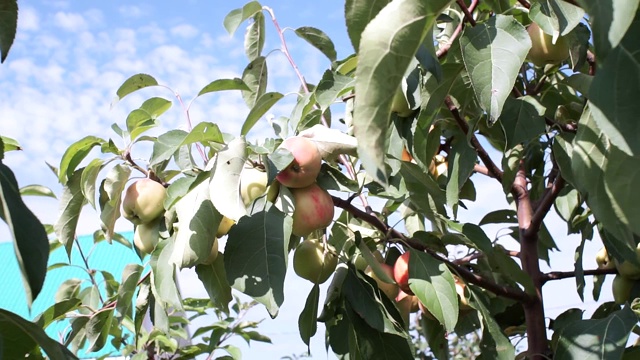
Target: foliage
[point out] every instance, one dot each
(565, 135)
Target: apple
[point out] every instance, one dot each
(603, 260)
(224, 227)
(401, 273)
(313, 209)
(146, 236)
(361, 263)
(305, 167)
(412, 299)
(460, 287)
(144, 201)
(543, 51)
(627, 268)
(405, 155)
(253, 184)
(310, 261)
(438, 166)
(213, 254)
(621, 288)
(400, 105)
(390, 290)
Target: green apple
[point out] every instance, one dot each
(312, 263)
(224, 227)
(361, 263)
(390, 290)
(543, 51)
(438, 166)
(621, 288)
(603, 260)
(253, 184)
(213, 254)
(146, 236)
(144, 201)
(305, 167)
(627, 268)
(313, 209)
(400, 105)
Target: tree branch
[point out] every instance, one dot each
(559, 275)
(493, 169)
(444, 49)
(394, 235)
(467, 14)
(545, 205)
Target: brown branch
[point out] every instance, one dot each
(482, 170)
(394, 235)
(444, 49)
(570, 127)
(545, 205)
(525, 3)
(467, 14)
(493, 169)
(559, 275)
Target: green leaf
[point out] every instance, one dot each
(68, 290)
(128, 286)
(170, 142)
(255, 76)
(358, 14)
(89, 178)
(31, 244)
(111, 191)
(238, 16)
(163, 284)
(610, 21)
(224, 186)
(22, 336)
(386, 49)
(56, 312)
(319, 40)
(332, 86)
(135, 83)
(433, 284)
(522, 120)
(37, 190)
(224, 84)
(556, 16)
(419, 183)
(198, 222)
(8, 26)
(493, 53)
(144, 118)
(307, 322)
(505, 216)
(606, 337)
(74, 154)
(254, 37)
(461, 160)
(214, 279)
(262, 105)
(494, 344)
(9, 144)
(614, 105)
(257, 267)
(98, 329)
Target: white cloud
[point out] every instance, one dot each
(131, 11)
(184, 31)
(28, 19)
(70, 21)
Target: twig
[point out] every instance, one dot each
(397, 237)
(467, 14)
(525, 3)
(90, 271)
(482, 170)
(444, 49)
(559, 275)
(570, 127)
(493, 169)
(545, 205)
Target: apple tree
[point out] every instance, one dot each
(537, 96)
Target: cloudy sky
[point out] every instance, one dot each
(70, 57)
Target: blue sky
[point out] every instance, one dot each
(70, 57)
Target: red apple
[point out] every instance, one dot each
(305, 167)
(313, 209)
(390, 290)
(401, 273)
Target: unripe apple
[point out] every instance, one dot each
(213, 254)
(144, 201)
(310, 261)
(224, 227)
(313, 209)
(621, 288)
(361, 263)
(627, 268)
(253, 184)
(543, 51)
(305, 167)
(603, 260)
(390, 290)
(400, 105)
(146, 236)
(438, 166)
(401, 272)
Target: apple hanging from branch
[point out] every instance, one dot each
(305, 167)
(312, 262)
(543, 51)
(144, 201)
(313, 209)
